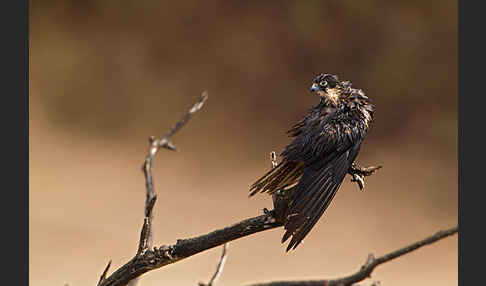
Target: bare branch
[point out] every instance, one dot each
(147, 259)
(146, 236)
(165, 255)
(370, 264)
(103, 275)
(219, 267)
(279, 200)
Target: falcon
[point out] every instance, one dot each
(324, 147)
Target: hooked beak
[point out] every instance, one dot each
(314, 87)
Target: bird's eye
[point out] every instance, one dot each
(323, 83)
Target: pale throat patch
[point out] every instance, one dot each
(332, 95)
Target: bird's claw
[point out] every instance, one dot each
(359, 180)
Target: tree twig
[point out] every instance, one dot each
(146, 235)
(368, 267)
(219, 267)
(280, 200)
(103, 275)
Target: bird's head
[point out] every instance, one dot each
(328, 88)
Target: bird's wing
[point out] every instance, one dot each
(291, 168)
(327, 151)
(314, 193)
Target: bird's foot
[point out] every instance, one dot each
(359, 180)
(281, 200)
(363, 171)
(358, 173)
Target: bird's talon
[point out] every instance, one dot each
(359, 180)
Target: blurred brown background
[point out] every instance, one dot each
(107, 74)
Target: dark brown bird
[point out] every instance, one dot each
(325, 145)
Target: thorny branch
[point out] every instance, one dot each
(370, 264)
